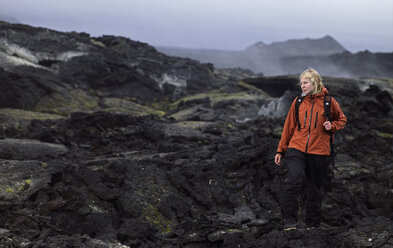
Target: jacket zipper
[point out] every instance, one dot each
(305, 119)
(316, 119)
(309, 127)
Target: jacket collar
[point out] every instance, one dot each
(322, 93)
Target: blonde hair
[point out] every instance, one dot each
(315, 79)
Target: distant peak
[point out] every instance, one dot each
(327, 37)
(322, 46)
(259, 44)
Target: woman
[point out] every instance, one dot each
(305, 141)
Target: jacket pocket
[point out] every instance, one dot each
(305, 119)
(316, 120)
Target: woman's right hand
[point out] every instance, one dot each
(277, 159)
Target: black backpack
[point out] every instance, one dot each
(327, 100)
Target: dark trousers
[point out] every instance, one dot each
(309, 170)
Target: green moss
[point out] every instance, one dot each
(79, 100)
(216, 97)
(384, 135)
(182, 114)
(149, 195)
(95, 42)
(193, 124)
(250, 87)
(130, 107)
(163, 105)
(132, 99)
(18, 187)
(27, 115)
(26, 184)
(10, 190)
(65, 104)
(349, 137)
(154, 217)
(19, 119)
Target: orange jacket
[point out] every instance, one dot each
(312, 137)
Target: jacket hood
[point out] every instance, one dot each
(323, 92)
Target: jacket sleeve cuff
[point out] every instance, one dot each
(334, 129)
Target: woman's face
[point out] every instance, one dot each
(306, 85)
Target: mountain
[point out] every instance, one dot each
(303, 47)
(293, 56)
(259, 57)
(105, 142)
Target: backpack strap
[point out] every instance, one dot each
(299, 100)
(327, 100)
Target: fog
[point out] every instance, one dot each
(216, 24)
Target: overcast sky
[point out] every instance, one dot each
(218, 24)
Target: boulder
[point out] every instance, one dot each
(26, 149)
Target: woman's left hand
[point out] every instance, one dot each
(327, 125)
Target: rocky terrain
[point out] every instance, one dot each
(106, 142)
(325, 54)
